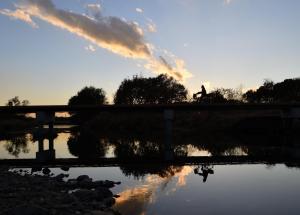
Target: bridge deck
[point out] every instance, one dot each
(150, 108)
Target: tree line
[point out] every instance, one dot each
(163, 89)
(166, 90)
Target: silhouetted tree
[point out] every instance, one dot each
(158, 90)
(87, 96)
(286, 91)
(15, 101)
(212, 97)
(221, 95)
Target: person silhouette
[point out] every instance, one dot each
(205, 172)
(203, 94)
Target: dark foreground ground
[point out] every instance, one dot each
(25, 193)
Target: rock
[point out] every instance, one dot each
(61, 176)
(109, 202)
(108, 184)
(84, 178)
(65, 168)
(46, 171)
(71, 183)
(85, 195)
(27, 210)
(36, 169)
(103, 192)
(88, 184)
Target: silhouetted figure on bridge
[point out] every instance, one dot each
(205, 171)
(203, 94)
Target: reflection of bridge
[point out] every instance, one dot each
(195, 160)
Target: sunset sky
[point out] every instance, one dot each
(50, 49)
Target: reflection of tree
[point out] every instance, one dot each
(137, 148)
(17, 144)
(139, 171)
(86, 145)
(217, 145)
(145, 149)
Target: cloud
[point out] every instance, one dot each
(90, 48)
(161, 66)
(151, 27)
(227, 2)
(112, 33)
(94, 10)
(139, 10)
(19, 14)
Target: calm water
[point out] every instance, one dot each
(226, 189)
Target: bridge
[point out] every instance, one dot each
(45, 114)
(288, 107)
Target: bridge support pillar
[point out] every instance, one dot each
(288, 117)
(168, 118)
(47, 118)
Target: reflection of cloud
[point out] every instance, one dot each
(182, 176)
(135, 200)
(112, 33)
(19, 14)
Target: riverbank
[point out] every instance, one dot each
(25, 193)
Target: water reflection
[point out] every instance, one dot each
(17, 144)
(136, 200)
(85, 144)
(146, 187)
(205, 171)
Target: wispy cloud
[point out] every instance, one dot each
(115, 34)
(161, 65)
(94, 10)
(19, 14)
(139, 10)
(151, 26)
(90, 48)
(227, 2)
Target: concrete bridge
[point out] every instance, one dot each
(45, 114)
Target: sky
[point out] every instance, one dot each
(50, 49)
